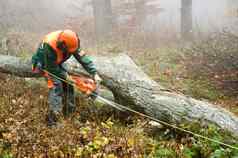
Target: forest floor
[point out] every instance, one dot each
(95, 131)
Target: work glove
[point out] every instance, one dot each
(37, 67)
(69, 78)
(93, 95)
(97, 79)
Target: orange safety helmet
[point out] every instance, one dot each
(69, 40)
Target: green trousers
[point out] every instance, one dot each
(61, 98)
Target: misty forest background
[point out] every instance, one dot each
(189, 46)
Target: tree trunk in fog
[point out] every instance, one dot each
(232, 8)
(102, 11)
(232, 3)
(186, 20)
(132, 87)
(140, 11)
(3, 13)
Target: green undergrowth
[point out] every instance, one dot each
(175, 143)
(5, 150)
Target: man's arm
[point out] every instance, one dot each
(85, 61)
(87, 64)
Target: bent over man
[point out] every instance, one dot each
(53, 51)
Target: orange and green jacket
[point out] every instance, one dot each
(51, 60)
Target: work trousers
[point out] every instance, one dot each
(61, 97)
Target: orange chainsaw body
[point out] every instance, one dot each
(84, 84)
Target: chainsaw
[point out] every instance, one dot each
(84, 84)
(88, 86)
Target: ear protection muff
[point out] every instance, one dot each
(78, 41)
(61, 44)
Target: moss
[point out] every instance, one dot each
(5, 150)
(164, 153)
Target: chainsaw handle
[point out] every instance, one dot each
(84, 84)
(94, 95)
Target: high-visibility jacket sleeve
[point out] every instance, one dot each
(86, 61)
(46, 56)
(38, 56)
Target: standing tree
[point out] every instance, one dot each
(102, 11)
(232, 8)
(140, 11)
(186, 20)
(4, 9)
(144, 8)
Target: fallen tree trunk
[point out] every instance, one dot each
(132, 87)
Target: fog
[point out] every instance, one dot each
(30, 15)
(208, 15)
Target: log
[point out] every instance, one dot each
(16, 66)
(132, 87)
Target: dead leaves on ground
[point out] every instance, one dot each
(22, 115)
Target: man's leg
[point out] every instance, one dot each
(55, 101)
(69, 99)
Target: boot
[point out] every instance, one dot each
(72, 109)
(51, 119)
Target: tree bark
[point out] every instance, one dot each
(102, 11)
(132, 87)
(140, 11)
(186, 20)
